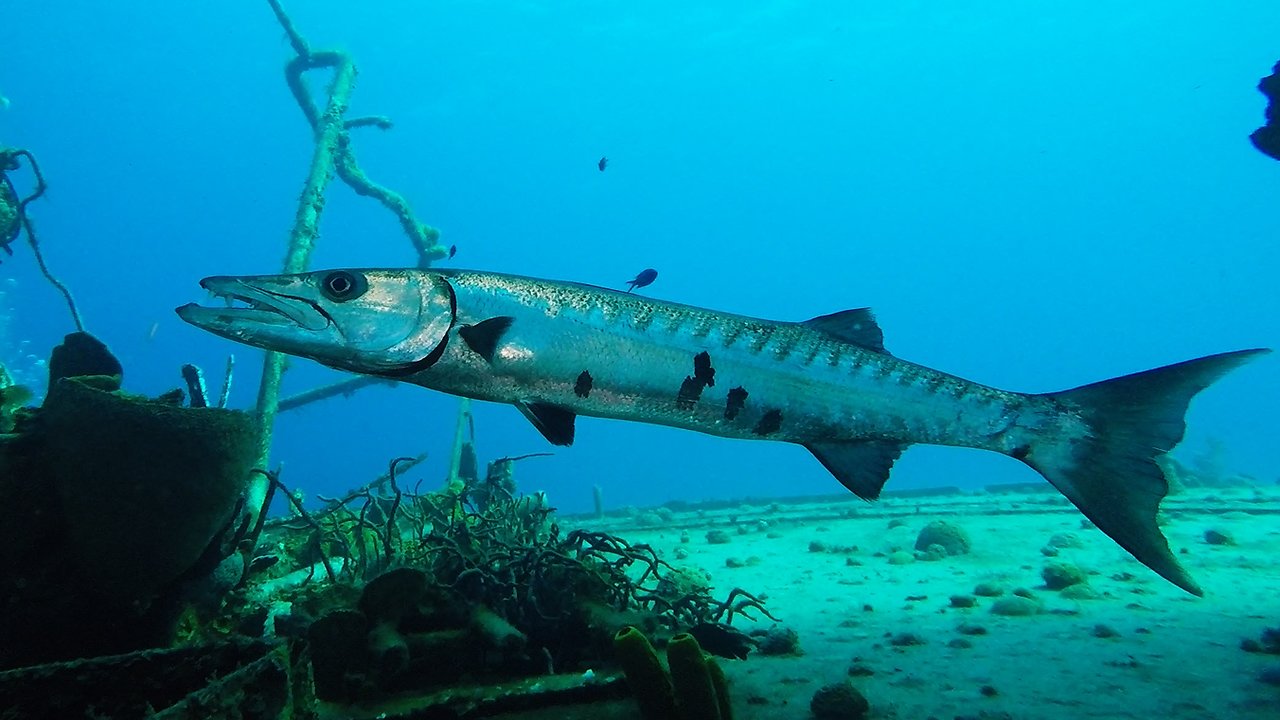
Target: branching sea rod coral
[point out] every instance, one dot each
(14, 219)
(333, 155)
(512, 558)
(504, 555)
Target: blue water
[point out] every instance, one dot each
(1031, 195)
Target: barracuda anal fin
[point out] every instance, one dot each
(554, 422)
(861, 465)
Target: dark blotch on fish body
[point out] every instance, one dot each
(645, 278)
(704, 376)
(737, 400)
(702, 370)
(690, 391)
(769, 423)
(604, 163)
(582, 387)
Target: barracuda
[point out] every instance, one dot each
(557, 350)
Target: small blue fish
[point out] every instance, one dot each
(646, 277)
(604, 163)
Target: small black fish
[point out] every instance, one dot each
(453, 250)
(646, 276)
(723, 640)
(262, 562)
(604, 163)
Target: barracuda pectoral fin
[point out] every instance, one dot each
(483, 337)
(861, 465)
(856, 326)
(554, 422)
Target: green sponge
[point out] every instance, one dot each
(143, 485)
(721, 685)
(648, 680)
(696, 697)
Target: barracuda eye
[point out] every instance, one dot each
(341, 286)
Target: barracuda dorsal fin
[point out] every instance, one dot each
(554, 422)
(860, 465)
(483, 337)
(857, 326)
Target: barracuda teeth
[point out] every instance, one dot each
(232, 301)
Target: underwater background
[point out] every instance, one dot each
(1032, 196)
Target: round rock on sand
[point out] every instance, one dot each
(1015, 606)
(839, 701)
(949, 536)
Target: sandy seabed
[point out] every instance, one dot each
(1141, 648)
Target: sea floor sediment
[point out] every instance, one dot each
(845, 577)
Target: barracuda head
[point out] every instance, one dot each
(382, 322)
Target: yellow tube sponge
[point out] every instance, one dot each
(721, 685)
(648, 680)
(696, 697)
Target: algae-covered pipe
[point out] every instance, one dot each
(461, 434)
(342, 388)
(329, 130)
(332, 155)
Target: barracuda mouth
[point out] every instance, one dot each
(249, 307)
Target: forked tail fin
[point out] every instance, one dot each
(1111, 473)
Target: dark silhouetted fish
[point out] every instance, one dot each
(604, 163)
(453, 250)
(1267, 137)
(644, 279)
(723, 640)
